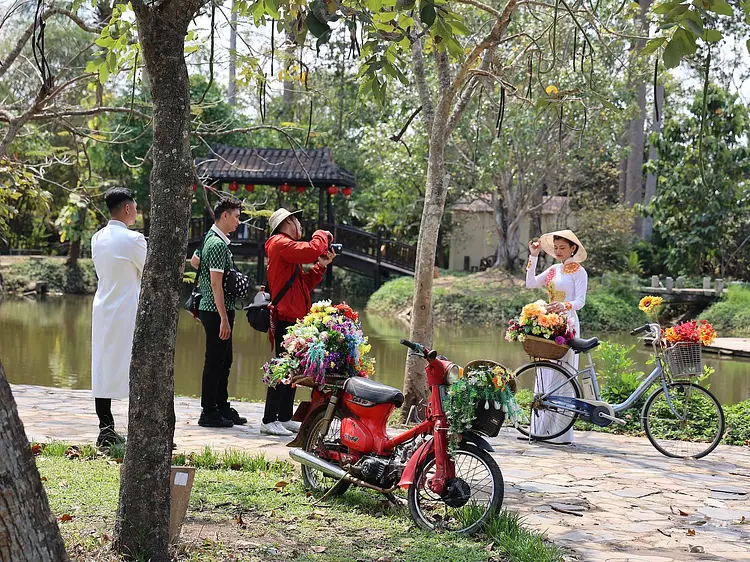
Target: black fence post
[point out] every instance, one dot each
(379, 257)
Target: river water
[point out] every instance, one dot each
(48, 343)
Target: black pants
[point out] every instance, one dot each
(104, 412)
(279, 400)
(218, 362)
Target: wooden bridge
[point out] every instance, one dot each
(673, 291)
(373, 255)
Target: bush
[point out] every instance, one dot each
(731, 315)
(59, 277)
(608, 310)
(618, 378)
(607, 233)
(738, 423)
(392, 296)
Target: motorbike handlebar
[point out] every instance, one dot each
(411, 345)
(640, 330)
(420, 349)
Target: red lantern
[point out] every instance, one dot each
(332, 190)
(234, 186)
(347, 191)
(285, 188)
(300, 189)
(249, 187)
(195, 187)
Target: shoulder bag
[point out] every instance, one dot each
(194, 300)
(259, 313)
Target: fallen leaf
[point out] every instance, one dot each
(489, 547)
(66, 517)
(73, 452)
(280, 485)
(43, 479)
(63, 484)
(319, 549)
(691, 532)
(678, 511)
(240, 522)
(36, 449)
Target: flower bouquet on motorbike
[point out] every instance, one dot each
(324, 346)
(542, 333)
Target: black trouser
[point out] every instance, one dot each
(279, 400)
(104, 412)
(214, 391)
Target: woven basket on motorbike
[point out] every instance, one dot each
(489, 420)
(543, 348)
(684, 359)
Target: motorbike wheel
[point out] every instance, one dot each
(469, 499)
(317, 444)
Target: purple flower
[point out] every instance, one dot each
(559, 340)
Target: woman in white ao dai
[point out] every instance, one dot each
(566, 283)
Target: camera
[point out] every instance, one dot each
(336, 248)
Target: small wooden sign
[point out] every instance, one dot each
(180, 485)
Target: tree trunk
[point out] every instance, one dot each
(28, 530)
(416, 388)
(647, 226)
(142, 526)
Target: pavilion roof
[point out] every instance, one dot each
(274, 166)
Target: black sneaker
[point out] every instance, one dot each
(108, 437)
(214, 419)
(231, 414)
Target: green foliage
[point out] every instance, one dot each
(609, 310)
(701, 227)
(18, 187)
(76, 222)
(58, 276)
(608, 233)
(731, 315)
(618, 378)
(516, 543)
(392, 296)
(738, 423)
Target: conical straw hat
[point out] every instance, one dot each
(548, 244)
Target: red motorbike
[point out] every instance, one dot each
(343, 441)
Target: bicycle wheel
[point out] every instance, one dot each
(691, 428)
(543, 420)
(469, 499)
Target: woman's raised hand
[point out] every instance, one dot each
(534, 248)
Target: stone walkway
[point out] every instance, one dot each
(607, 498)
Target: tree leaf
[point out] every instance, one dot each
(315, 26)
(676, 11)
(673, 53)
(712, 35)
(692, 27)
(664, 8)
(720, 7)
(427, 14)
(747, 44)
(652, 45)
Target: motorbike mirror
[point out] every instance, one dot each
(432, 355)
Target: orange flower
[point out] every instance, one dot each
(548, 320)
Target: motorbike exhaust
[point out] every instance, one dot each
(330, 469)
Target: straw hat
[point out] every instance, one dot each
(547, 241)
(279, 216)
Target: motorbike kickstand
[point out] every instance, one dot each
(392, 498)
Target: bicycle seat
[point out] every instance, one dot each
(379, 393)
(579, 344)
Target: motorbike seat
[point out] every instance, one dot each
(379, 393)
(579, 344)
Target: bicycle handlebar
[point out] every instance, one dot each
(640, 330)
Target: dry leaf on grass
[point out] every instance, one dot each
(240, 522)
(691, 532)
(280, 485)
(63, 484)
(319, 549)
(66, 517)
(43, 478)
(36, 449)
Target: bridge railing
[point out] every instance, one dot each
(375, 246)
(245, 233)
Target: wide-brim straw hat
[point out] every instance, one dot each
(279, 216)
(547, 241)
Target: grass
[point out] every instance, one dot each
(731, 315)
(245, 507)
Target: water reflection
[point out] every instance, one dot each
(49, 343)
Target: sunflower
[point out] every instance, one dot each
(650, 304)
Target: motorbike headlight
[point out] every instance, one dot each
(453, 373)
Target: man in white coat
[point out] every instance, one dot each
(119, 255)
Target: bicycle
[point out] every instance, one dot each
(681, 418)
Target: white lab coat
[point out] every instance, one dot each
(119, 255)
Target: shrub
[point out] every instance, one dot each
(738, 423)
(606, 311)
(58, 276)
(607, 233)
(731, 315)
(392, 295)
(618, 378)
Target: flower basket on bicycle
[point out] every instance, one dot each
(543, 348)
(684, 359)
(543, 334)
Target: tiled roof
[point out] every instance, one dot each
(274, 166)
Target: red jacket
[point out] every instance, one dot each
(284, 255)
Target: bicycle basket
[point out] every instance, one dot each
(684, 359)
(489, 420)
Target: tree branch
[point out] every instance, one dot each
(421, 79)
(13, 55)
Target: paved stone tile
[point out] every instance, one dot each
(634, 495)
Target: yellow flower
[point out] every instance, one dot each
(551, 90)
(650, 304)
(68, 221)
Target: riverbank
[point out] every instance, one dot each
(491, 298)
(605, 494)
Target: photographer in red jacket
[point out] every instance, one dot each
(286, 254)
